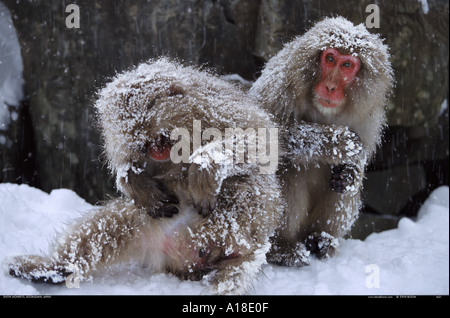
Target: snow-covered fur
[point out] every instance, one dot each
(286, 89)
(242, 206)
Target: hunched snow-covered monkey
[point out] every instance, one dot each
(164, 218)
(336, 74)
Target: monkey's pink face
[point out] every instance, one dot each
(338, 71)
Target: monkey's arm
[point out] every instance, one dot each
(315, 143)
(335, 145)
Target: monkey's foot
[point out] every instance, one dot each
(37, 269)
(206, 206)
(342, 178)
(322, 244)
(288, 255)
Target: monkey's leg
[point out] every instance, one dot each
(225, 265)
(299, 185)
(329, 221)
(38, 269)
(286, 249)
(226, 269)
(235, 276)
(95, 241)
(235, 238)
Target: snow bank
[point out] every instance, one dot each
(412, 259)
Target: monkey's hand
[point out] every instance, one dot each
(207, 171)
(205, 176)
(38, 269)
(344, 178)
(322, 244)
(166, 205)
(151, 194)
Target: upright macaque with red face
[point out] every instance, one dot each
(337, 77)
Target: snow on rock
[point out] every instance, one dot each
(425, 7)
(11, 67)
(412, 259)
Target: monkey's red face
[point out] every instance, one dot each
(159, 149)
(338, 71)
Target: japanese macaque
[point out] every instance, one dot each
(339, 75)
(150, 116)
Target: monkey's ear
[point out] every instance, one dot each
(175, 90)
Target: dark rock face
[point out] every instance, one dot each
(54, 141)
(64, 67)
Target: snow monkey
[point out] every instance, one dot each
(336, 74)
(150, 116)
(197, 216)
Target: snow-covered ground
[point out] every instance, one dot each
(412, 259)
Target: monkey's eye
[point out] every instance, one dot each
(330, 58)
(347, 64)
(159, 149)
